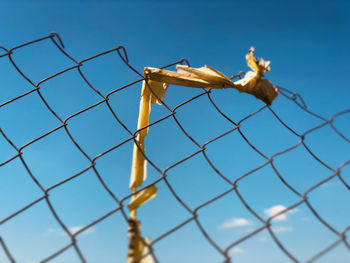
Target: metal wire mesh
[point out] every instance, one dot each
(201, 149)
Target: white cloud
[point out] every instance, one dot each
(276, 209)
(280, 229)
(72, 230)
(236, 222)
(330, 183)
(237, 250)
(53, 231)
(263, 239)
(88, 231)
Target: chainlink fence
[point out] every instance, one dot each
(120, 203)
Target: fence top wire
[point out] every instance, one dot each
(236, 127)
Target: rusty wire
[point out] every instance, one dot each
(201, 149)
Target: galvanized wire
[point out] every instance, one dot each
(201, 149)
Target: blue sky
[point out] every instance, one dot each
(308, 45)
